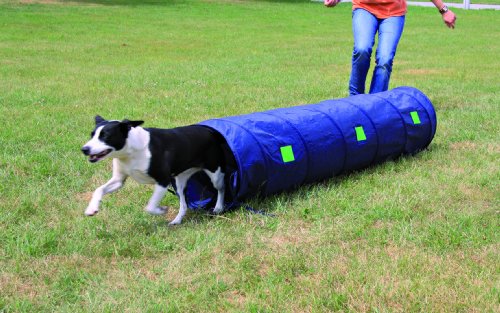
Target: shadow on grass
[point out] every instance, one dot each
(252, 204)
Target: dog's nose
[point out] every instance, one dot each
(86, 150)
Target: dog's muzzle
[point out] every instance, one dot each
(86, 150)
(95, 157)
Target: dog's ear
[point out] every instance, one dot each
(136, 123)
(132, 123)
(127, 125)
(99, 119)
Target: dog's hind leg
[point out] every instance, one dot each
(217, 179)
(180, 183)
(153, 205)
(115, 183)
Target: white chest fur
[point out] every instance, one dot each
(135, 162)
(136, 167)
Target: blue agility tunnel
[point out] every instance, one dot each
(280, 149)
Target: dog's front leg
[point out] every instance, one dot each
(153, 205)
(180, 183)
(115, 183)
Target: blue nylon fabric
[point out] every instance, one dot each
(323, 140)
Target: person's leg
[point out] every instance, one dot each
(364, 28)
(389, 33)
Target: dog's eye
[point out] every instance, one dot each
(92, 134)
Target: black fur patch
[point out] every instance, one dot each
(175, 150)
(114, 134)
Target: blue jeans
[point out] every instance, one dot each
(364, 27)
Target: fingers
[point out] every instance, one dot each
(449, 19)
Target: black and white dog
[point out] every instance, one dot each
(155, 156)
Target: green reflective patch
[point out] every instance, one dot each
(415, 117)
(287, 154)
(360, 133)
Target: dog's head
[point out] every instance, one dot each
(107, 138)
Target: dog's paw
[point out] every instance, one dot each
(175, 222)
(91, 212)
(218, 210)
(157, 211)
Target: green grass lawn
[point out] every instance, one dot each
(417, 234)
(497, 2)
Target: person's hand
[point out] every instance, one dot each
(331, 3)
(449, 18)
